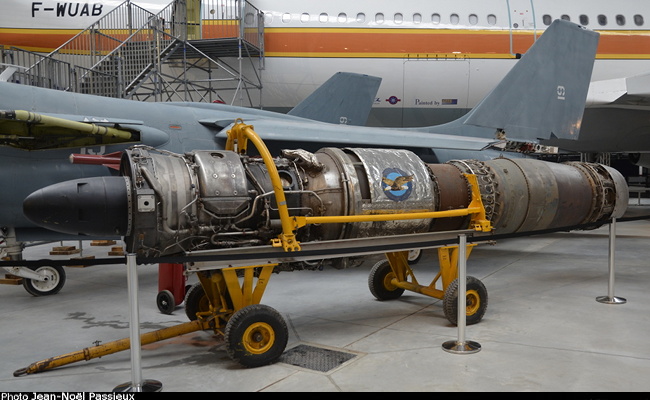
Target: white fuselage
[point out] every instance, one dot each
(437, 59)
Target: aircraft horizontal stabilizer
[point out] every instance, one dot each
(544, 94)
(633, 91)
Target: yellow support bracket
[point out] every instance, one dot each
(404, 278)
(249, 292)
(238, 137)
(479, 222)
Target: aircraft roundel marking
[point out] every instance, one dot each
(396, 184)
(393, 99)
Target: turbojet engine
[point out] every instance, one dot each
(166, 204)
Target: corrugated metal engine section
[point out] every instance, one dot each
(315, 358)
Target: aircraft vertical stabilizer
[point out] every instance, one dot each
(544, 94)
(345, 98)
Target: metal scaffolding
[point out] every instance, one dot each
(192, 50)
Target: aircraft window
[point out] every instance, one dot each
(268, 18)
(620, 20)
(492, 19)
(379, 18)
(417, 18)
(322, 17)
(473, 19)
(304, 17)
(565, 17)
(398, 18)
(249, 18)
(343, 18)
(361, 18)
(286, 17)
(454, 19)
(602, 19)
(638, 20)
(435, 18)
(547, 19)
(584, 20)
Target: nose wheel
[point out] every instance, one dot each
(53, 279)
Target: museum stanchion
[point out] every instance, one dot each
(462, 346)
(610, 298)
(137, 384)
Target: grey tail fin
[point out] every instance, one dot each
(544, 94)
(345, 98)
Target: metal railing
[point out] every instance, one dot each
(117, 54)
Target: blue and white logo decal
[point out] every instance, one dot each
(397, 185)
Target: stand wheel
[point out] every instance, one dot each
(380, 284)
(414, 256)
(196, 301)
(53, 283)
(165, 302)
(476, 301)
(256, 335)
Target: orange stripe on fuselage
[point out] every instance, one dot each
(393, 43)
(36, 40)
(369, 42)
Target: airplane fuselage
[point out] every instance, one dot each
(437, 59)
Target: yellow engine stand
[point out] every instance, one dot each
(404, 276)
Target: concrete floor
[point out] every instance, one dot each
(543, 330)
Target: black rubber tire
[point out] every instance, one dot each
(54, 284)
(166, 302)
(379, 282)
(414, 256)
(256, 335)
(476, 301)
(196, 301)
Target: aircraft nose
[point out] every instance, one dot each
(95, 206)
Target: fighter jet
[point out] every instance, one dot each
(49, 136)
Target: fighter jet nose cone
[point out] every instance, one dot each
(95, 206)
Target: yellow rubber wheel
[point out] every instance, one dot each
(476, 301)
(380, 282)
(256, 335)
(258, 338)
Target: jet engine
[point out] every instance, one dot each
(165, 203)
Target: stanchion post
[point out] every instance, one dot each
(610, 298)
(462, 346)
(137, 384)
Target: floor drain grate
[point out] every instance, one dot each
(315, 358)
